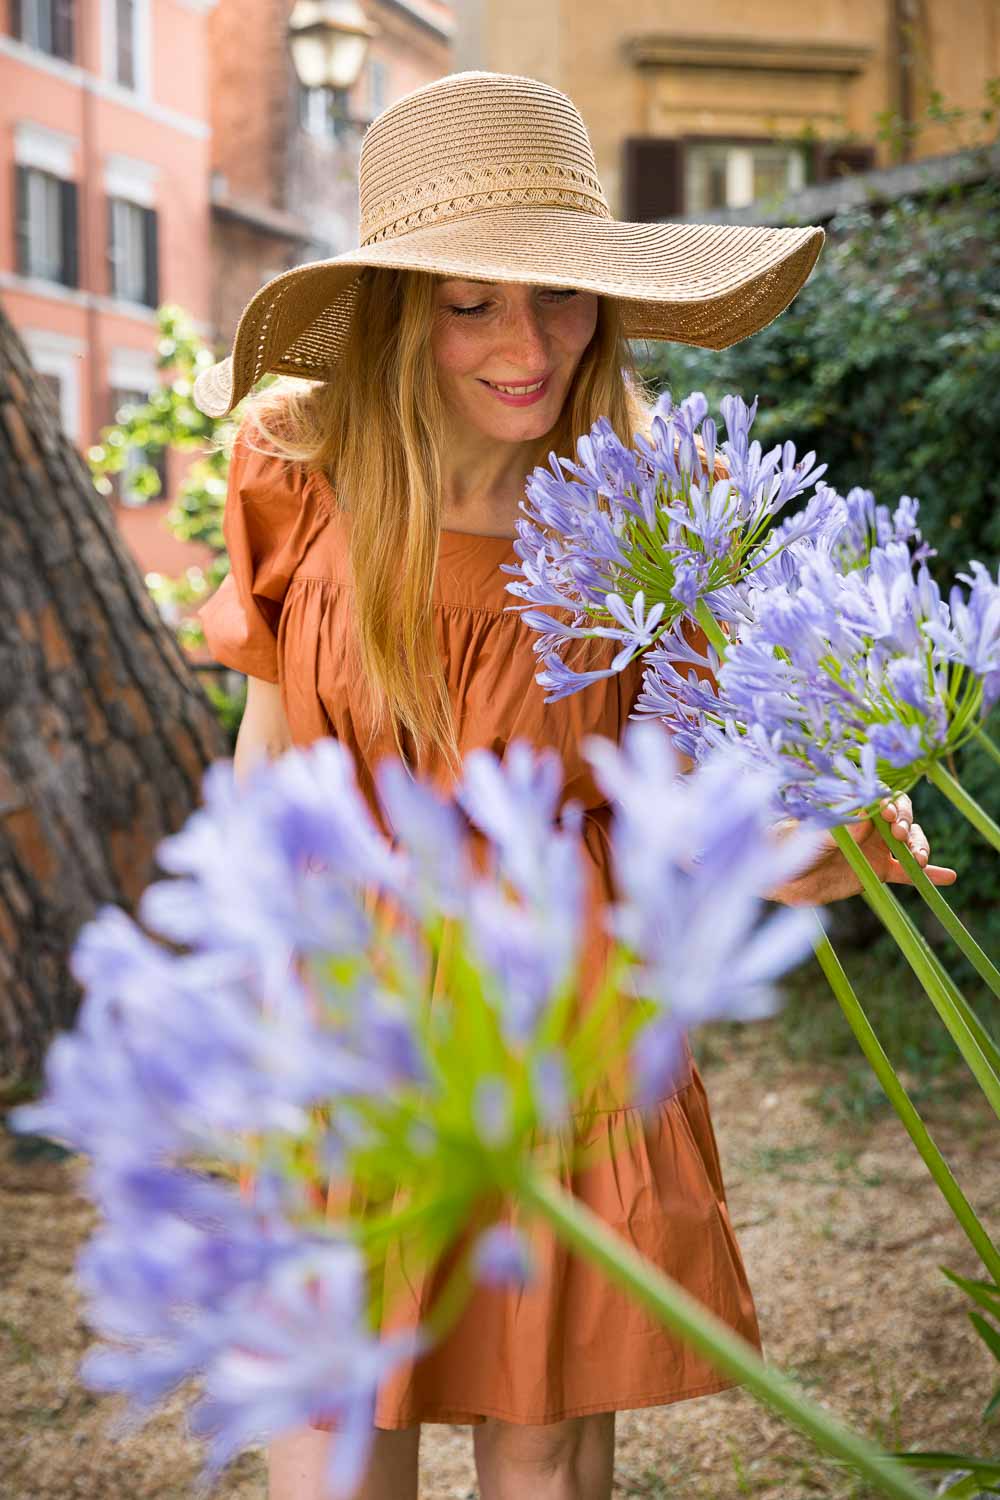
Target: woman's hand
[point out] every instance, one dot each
(830, 877)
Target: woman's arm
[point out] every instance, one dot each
(263, 732)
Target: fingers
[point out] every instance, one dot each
(936, 874)
(899, 812)
(919, 845)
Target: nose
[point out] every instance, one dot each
(526, 342)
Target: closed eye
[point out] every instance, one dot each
(557, 294)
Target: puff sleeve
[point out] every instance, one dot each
(273, 511)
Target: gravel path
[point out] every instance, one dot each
(842, 1231)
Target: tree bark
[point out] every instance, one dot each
(104, 729)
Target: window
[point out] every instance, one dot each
(46, 228)
(133, 237)
(378, 92)
(53, 384)
(122, 483)
(57, 359)
(723, 174)
(126, 22)
(47, 25)
(666, 178)
(323, 112)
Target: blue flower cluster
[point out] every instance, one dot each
(844, 670)
(849, 684)
(628, 539)
(287, 1026)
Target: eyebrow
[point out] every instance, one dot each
(472, 280)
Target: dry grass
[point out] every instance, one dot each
(842, 1230)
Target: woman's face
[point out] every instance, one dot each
(506, 355)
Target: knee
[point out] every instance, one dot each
(551, 1449)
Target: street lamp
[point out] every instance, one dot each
(329, 39)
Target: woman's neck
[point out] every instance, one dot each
(482, 483)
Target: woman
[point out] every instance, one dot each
(482, 324)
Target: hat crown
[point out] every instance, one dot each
(470, 142)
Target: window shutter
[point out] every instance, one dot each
(831, 161)
(158, 460)
(654, 183)
(70, 236)
(21, 239)
(62, 28)
(110, 254)
(151, 237)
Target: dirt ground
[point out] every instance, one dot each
(842, 1230)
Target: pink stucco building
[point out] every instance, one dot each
(158, 151)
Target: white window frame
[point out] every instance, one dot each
(739, 169)
(142, 46)
(131, 370)
(61, 355)
(49, 150)
(378, 86)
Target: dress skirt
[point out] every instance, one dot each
(571, 1342)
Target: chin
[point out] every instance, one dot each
(524, 426)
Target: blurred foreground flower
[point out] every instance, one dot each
(420, 1043)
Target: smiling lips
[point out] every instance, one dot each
(518, 395)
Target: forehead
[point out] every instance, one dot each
(453, 281)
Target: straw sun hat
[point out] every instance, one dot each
(492, 176)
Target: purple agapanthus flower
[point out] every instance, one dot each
(839, 681)
(971, 637)
(625, 541)
(694, 857)
(288, 1028)
(502, 1258)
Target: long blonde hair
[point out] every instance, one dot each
(376, 430)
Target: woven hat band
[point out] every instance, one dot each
(434, 156)
(493, 187)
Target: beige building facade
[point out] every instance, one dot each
(692, 108)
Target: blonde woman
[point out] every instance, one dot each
(483, 323)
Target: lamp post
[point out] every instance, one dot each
(329, 40)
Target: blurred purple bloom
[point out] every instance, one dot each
(502, 1258)
(551, 1089)
(437, 869)
(492, 1111)
(679, 843)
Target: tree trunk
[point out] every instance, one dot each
(104, 729)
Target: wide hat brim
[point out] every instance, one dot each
(708, 285)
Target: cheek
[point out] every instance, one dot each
(456, 348)
(577, 323)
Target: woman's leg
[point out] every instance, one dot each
(296, 1463)
(571, 1460)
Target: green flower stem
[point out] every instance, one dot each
(580, 1228)
(987, 743)
(887, 908)
(711, 627)
(986, 1042)
(963, 939)
(903, 1105)
(967, 806)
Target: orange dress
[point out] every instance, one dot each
(571, 1343)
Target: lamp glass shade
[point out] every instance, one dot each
(328, 39)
